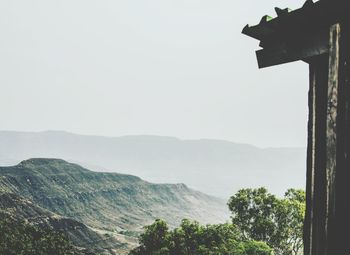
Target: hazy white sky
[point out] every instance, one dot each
(163, 67)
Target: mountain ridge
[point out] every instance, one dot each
(102, 213)
(215, 167)
(102, 200)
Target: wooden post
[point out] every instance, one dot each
(328, 164)
(319, 34)
(331, 134)
(338, 142)
(316, 166)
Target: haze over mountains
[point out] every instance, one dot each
(213, 166)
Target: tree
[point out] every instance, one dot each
(155, 239)
(262, 216)
(290, 219)
(191, 238)
(262, 225)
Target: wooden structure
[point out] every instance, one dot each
(319, 34)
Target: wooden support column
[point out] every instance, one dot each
(338, 142)
(328, 164)
(331, 135)
(316, 164)
(319, 34)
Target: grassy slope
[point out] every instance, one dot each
(106, 200)
(19, 209)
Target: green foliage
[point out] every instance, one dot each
(260, 221)
(262, 216)
(155, 236)
(20, 238)
(193, 239)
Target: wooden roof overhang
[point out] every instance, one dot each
(297, 35)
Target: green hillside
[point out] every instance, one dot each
(17, 237)
(95, 205)
(23, 214)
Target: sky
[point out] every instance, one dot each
(159, 67)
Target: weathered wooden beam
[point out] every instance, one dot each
(338, 141)
(293, 49)
(342, 188)
(310, 173)
(314, 227)
(331, 133)
(328, 164)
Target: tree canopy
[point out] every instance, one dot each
(190, 238)
(262, 224)
(262, 216)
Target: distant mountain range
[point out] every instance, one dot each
(101, 212)
(215, 167)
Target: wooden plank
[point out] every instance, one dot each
(319, 200)
(309, 47)
(339, 167)
(310, 173)
(343, 143)
(328, 175)
(331, 133)
(314, 231)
